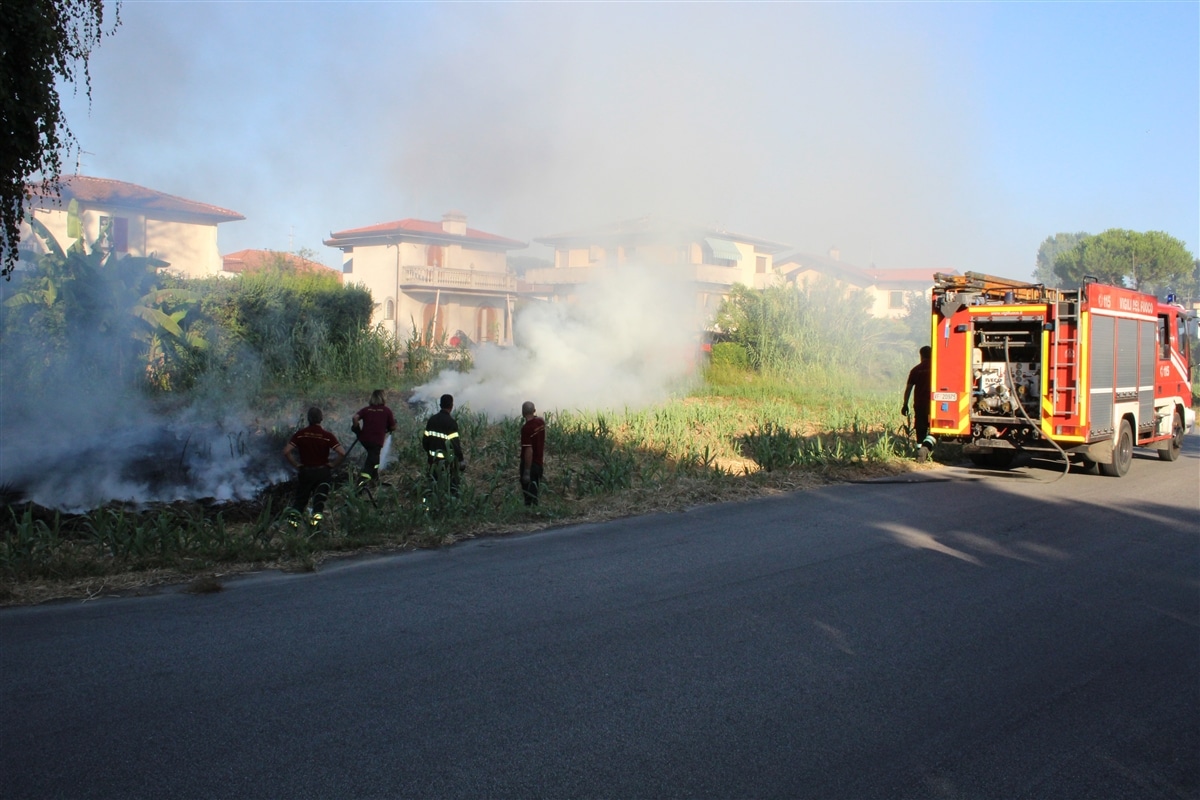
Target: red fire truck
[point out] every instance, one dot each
(1086, 374)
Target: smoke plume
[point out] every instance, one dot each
(630, 337)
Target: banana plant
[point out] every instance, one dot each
(86, 292)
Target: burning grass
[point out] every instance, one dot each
(716, 446)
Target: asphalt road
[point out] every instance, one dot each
(980, 635)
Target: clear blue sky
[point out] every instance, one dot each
(940, 135)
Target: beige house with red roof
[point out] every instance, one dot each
(441, 278)
(891, 291)
(248, 261)
(131, 219)
(715, 258)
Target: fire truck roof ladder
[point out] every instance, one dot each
(995, 288)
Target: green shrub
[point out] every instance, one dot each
(730, 355)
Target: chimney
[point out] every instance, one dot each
(835, 254)
(455, 222)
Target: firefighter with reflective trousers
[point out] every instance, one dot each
(442, 446)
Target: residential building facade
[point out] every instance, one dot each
(715, 258)
(441, 280)
(892, 291)
(129, 219)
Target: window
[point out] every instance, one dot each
(760, 265)
(389, 309)
(433, 328)
(433, 256)
(1164, 337)
(114, 233)
(895, 299)
(487, 326)
(724, 252)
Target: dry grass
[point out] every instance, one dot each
(678, 496)
(688, 453)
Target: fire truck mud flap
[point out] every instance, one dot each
(986, 446)
(1096, 452)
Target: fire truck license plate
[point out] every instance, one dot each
(945, 396)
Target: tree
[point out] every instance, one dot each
(95, 310)
(824, 326)
(41, 43)
(1048, 254)
(1151, 261)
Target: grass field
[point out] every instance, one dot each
(736, 437)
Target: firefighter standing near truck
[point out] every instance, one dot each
(443, 448)
(919, 385)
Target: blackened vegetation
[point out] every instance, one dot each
(167, 519)
(141, 466)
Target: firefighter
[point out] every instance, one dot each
(308, 452)
(533, 445)
(442, 446)
(372, 425)
(919, 385)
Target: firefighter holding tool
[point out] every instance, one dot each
(372, 425)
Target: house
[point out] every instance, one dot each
(248, 261)
(715, 258)
(892, 291)
(443, 279)
(130, 219)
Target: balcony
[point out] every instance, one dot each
(701, 273)
(457, 279)
(563, 275)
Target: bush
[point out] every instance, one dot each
(789, 330)
(730, 355)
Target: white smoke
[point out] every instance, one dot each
(632, 335)
(82, 437)
(138, 459)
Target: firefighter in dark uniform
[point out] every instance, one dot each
(442, 446)
(308, 453)
(372, 425)
(919, 385)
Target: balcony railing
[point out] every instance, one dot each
(560, 275)
(701, 273)
(444, 278)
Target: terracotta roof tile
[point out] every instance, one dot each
(420, 228)
(857, 275)
(657, 229)
(255, 260)
(905, 275)
(107, 191)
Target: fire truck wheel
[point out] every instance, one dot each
(1171, 451)
(996, 459)
(1002, 459)
(1122, 453)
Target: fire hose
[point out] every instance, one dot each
(1008, 379)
